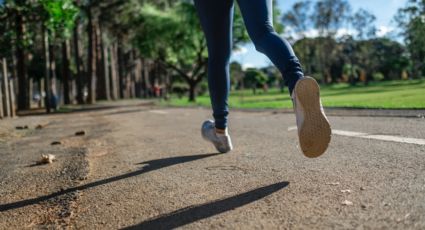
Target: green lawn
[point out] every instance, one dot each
(392, 94)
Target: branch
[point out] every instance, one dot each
(200, 61)
(199, 66)
(200, 76)
(169, 65)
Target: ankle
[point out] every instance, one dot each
(221, 132)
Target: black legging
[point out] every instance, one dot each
(216, 19)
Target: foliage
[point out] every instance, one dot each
(60, 16)
(255, 78)
(329, 15)
(363, 23)
(412, 21)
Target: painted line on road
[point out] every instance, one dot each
(406, 140)
(158, 111)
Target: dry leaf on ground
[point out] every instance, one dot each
(47, 159)
(347, 203)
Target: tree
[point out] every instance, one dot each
(23, 97)
(59, 18)
(363, 22)
(237, 75)
(328, 17)
(297, 19)
(412, 21)
(255, 78)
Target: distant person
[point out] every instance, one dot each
(216, 18)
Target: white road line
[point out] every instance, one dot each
(407, 140)
(292, 128)
(158, 111)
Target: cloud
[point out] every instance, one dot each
(384, 30)
(313, 33)
(247, 65)
(240, 51)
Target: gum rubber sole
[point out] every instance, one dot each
(315, 132)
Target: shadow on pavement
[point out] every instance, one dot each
(194, 213)
(149, 166)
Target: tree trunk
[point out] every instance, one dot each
(146, 77)
(106, 73)
(192, 91)
(121, 72)
(40, 90)
(66, 75)
(23, 102)
(114, 72)
(138, 78)
(100, 57)
(30, 90)
(91, 61)
(47, 90)
(1, 98)
(5, 89)
(130, 77)
(12, 98)
(79, 65)
(53, 81)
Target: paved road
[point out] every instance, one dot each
(148, 168)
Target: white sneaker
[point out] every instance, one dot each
(314, 130)
(222, 143)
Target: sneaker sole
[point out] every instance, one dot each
(315, 132)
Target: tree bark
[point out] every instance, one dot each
(53, 80)
(23, 102)
(6, 92)
(192, 91)
(114, 72)
(121, 76)
(12, 98)
(91, 59)
(100, 62)
(47, 91)
(138, 78)
(130, 77)
(106, 73)
(146, 80)
(79, 65)
(66, 75)
(1, 98)
(40, 90)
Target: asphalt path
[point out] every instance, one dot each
(142, 167)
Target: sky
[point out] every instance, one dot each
(384, 10)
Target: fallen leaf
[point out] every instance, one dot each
(47, 159)
(80, 133)
(56, 143)
(40, 126)
(347, 203)
(333, 183)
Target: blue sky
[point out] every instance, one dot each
(384, 10)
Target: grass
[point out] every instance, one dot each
(407, 94)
